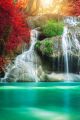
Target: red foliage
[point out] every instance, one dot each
(2, 62)
(13, 28)
(10, 16)
(77, 7)
(72, 8)
(22, 4)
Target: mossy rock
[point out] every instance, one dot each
(45, 46)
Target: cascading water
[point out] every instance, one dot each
(28, 65)
(25, 65)
(65, 51)
(71, 43)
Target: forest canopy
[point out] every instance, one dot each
(63, 7)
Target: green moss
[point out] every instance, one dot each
(37, 45)
(46, 46)
(52, 28)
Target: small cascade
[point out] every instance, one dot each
(25, 65)
(71, 43)
(65, 51)
(72, 20)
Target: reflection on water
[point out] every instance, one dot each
(40, 101)
(32, 114)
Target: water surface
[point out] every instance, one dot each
(40, 101)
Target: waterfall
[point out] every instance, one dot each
(25, 65)
(28, 67)
(65, 51)
(71, 43)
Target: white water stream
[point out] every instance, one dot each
(70, 42)
(25, 65)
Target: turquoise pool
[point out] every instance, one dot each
(40, 101)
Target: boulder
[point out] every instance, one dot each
(40, 20)
(51, 53)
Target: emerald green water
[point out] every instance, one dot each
(40, 101)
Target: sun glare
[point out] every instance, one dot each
(46, 3)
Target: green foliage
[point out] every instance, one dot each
(37, 45)
(46, 47)
(52, 28)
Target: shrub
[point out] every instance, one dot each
(37, 45)
(46, 47)
(52, 28)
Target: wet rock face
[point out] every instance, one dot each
(56, 77)
(56, 64)
(41, 36)
(55, 60)
(2, 73)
